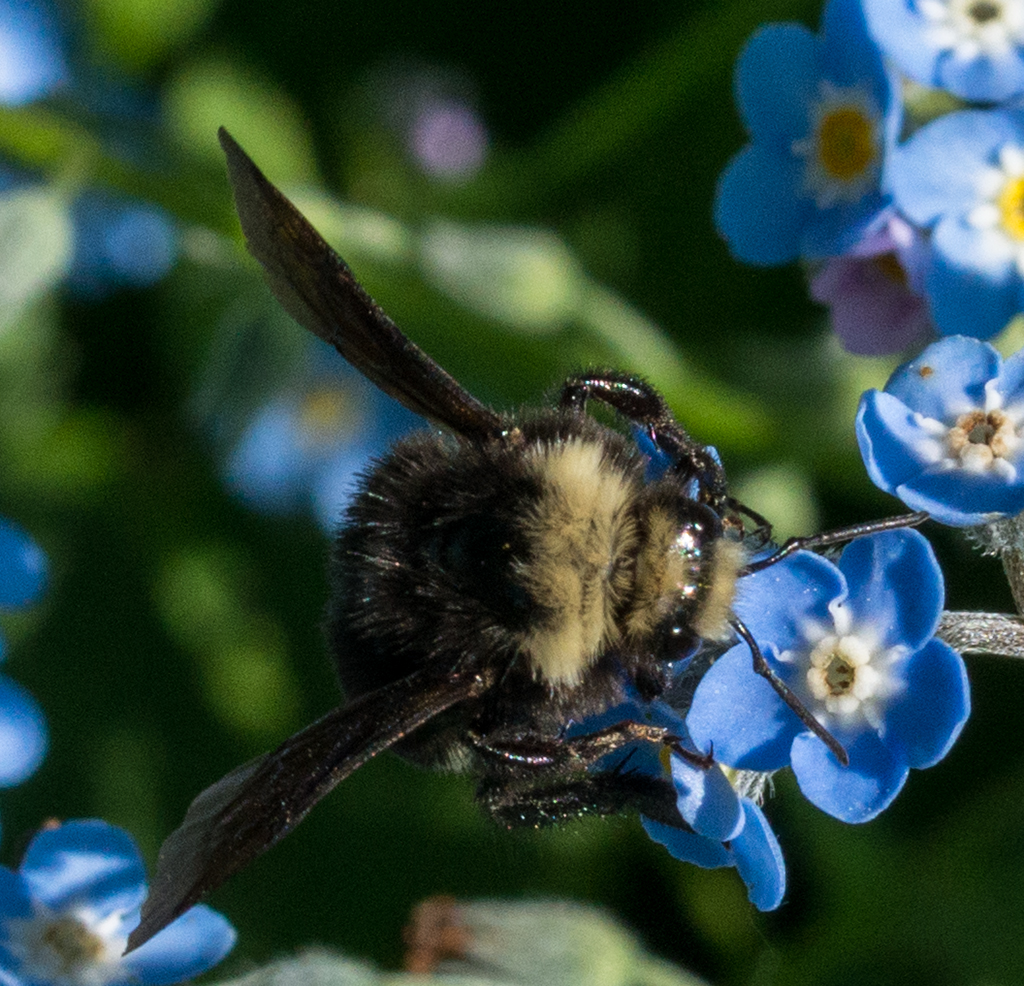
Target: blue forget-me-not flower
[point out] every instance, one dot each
(753, 850)
(961, 177)
(973, 49)
(945, 434)
(66, 913)
(723, 826)
(855, 641)
(820, 110)
(119, 242)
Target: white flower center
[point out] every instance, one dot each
(841, 675)
(842, 154)
(67, 949)
(970, 29)
(999, 213)
(980, 440)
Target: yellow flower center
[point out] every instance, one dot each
(891, 268)
(325, 415)
(1011, 208)
(73, 945)
(846, 142)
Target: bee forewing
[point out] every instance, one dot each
(249, 810)
(317, 288)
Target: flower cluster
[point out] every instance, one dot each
(114, 241)
(912, 224)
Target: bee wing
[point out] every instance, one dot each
(248, 811)
(317, 288)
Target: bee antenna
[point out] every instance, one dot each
(839, 536)
(788, 696)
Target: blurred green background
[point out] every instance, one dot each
(180, 633)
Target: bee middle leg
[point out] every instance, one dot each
(522, 798)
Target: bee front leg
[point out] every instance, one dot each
(527, 750)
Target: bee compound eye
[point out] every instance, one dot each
(680, 641)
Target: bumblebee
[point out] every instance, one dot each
(496, 579)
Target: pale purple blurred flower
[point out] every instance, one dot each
(874, 291)
(447, 138)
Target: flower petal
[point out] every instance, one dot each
(852, 794)
(896, 587)
(971, 281)
(269, 467)
(738, 717)
(872, 312)
(924, 722)
(759, 860)
(893, 443)
(851, 57)
(776, 80)
(706, 800)
(23, 734)
(759, 209)
(195, 942)
(962, 499)
(947, 379)
(778, 602)
(687, 846)
(839, 228)
(898, 30)
(85, 863)
(15, 899)
(1010, 383)
(937, 170)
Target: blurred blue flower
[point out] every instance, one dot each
(22, 567)
(973, 49)
(311, 442)
(875, 292)
(856, 644)
(961, 178)
(946, 433)
(66, 914)
(32, 62)
(119, 243)
(820, 111)
(23, 735)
